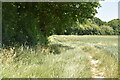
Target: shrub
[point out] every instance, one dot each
(106, 30)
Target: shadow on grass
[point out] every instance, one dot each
(58, 48)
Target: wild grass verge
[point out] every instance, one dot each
(66, 57)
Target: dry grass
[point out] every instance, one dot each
(66, 57)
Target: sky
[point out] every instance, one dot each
(108, 11)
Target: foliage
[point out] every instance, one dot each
(106, 30)
(97, 21)
(95, 26)
(30, 23)
(115, 25)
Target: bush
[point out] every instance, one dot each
(89, 29)
(106, 30)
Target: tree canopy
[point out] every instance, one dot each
(31, 23)
(98, 21)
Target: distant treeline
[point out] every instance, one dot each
(94, 26)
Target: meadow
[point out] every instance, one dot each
(68, 56)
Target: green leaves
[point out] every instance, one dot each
(90, 28)
(115, 24)
(30, 22)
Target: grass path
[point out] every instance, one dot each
(79, 57)
(96, 56)
(95, 72)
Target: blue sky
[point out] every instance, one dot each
(108, 11)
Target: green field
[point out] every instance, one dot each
(87, 56)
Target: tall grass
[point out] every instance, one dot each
(64, 57)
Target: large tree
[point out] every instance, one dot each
(31, 23)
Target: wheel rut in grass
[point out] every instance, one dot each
(95, 70)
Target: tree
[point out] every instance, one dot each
(30, 23)
(97, 21)
(115, 25)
